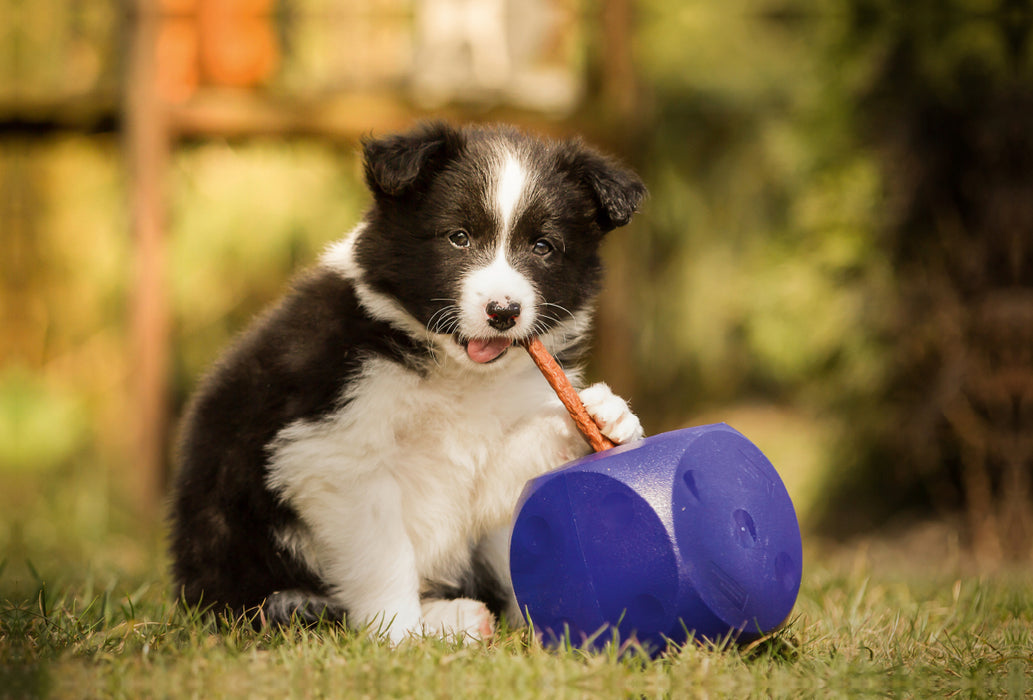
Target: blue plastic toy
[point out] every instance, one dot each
(690, 531)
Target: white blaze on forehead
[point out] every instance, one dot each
(497, 280)
(512, 179)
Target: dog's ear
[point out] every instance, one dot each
(397, 164)
(617, 190)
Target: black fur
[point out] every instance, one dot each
(479, 583)
(290, 365)
(397, 164)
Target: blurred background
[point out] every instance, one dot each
(836, 258)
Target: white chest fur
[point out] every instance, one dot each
(446, 454)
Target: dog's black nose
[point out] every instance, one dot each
(502, 318)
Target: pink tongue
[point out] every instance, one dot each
(487, 350)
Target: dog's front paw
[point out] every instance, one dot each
(611, 413)
(463, 619)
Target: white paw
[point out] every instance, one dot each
(611, 413)
(463, 619)
(393, 629)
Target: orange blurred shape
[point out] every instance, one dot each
(178, 7)
(176, 56)
(238, 41)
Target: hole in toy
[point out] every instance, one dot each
(689, 477)
(745, 530)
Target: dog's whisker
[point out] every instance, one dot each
(560, 324)
(443, 318)
(561, 308)
(444, 321)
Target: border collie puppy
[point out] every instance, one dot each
(359, 451)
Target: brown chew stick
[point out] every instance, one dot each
(568, 395)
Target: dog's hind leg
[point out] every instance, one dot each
(297, 606)
(492, 582)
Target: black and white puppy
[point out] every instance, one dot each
(360, 449)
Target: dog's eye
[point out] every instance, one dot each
(459, 238)
(542, 247)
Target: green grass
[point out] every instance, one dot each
(852, 633)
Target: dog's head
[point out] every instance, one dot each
(486, 236)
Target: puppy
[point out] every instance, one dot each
(357, 454)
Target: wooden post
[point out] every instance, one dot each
(619, 88)
(147, 142)
(620, 111)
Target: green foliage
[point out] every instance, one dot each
(762, 249)
(41, 426)
(58, 48)
(757, 272)
(64, 303)
(243, 220)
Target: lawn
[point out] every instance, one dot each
(859, 628)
